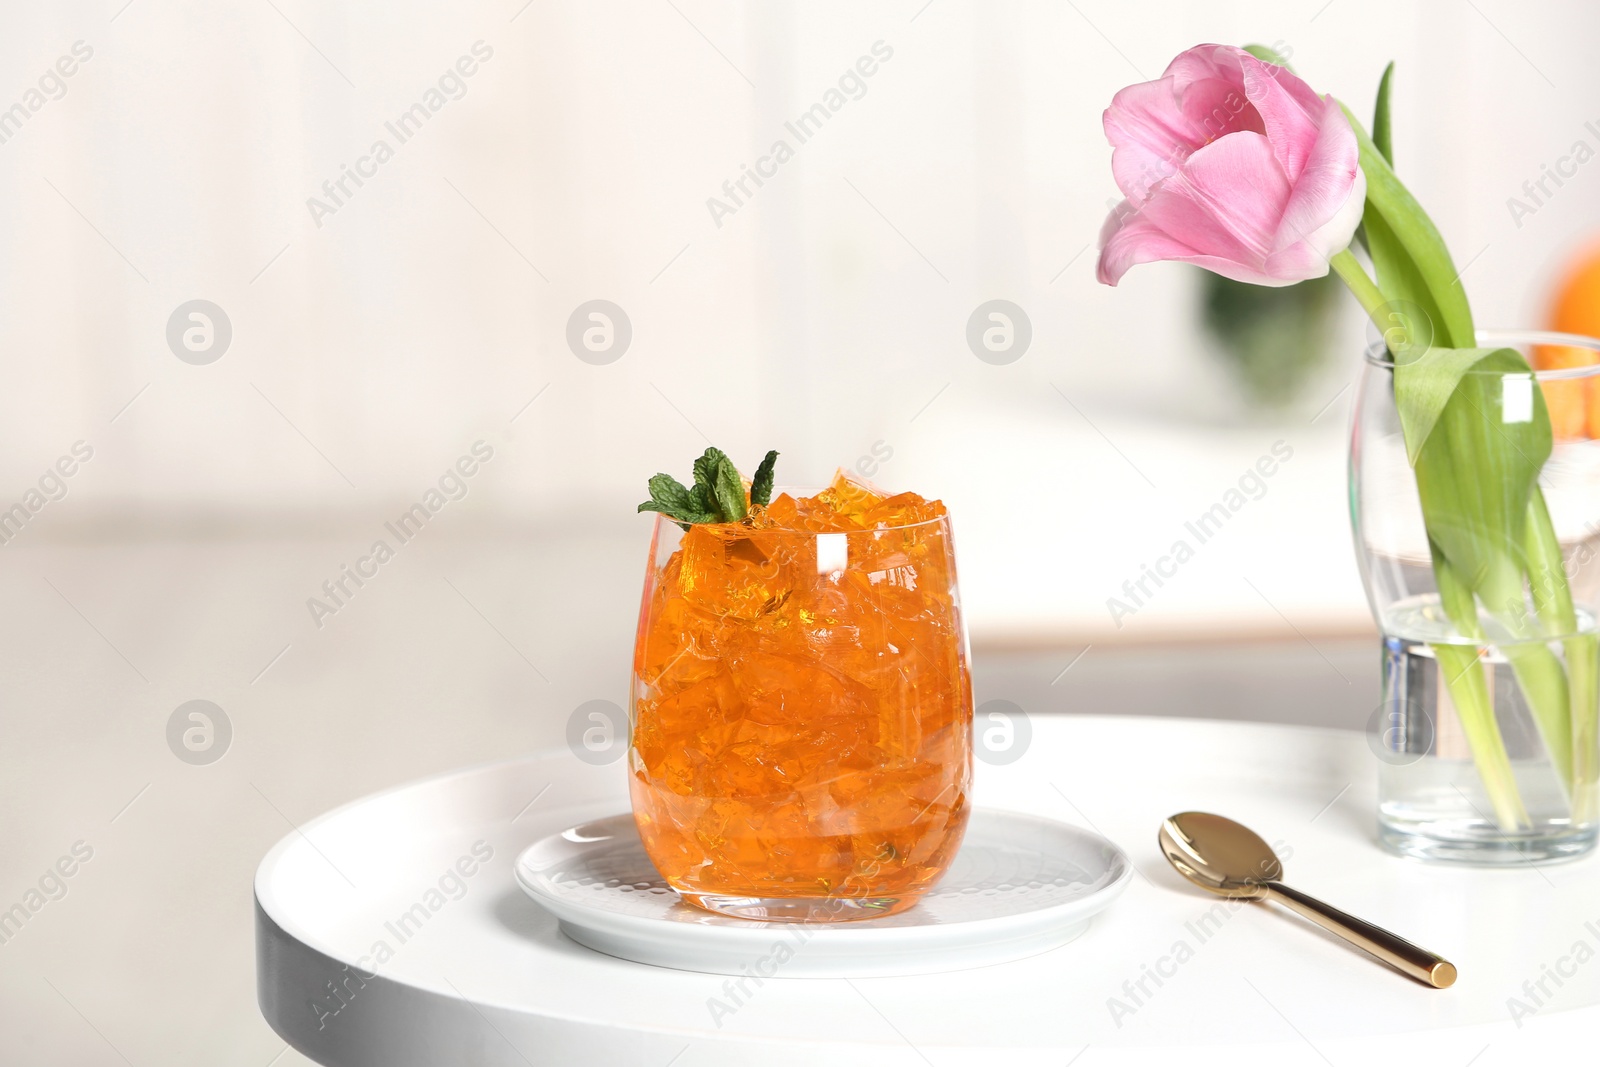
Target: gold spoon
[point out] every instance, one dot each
(1219, 855)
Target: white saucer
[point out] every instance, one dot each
(1020, 885)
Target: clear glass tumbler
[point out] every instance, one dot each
(801, 717)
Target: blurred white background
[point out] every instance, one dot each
(825, 316)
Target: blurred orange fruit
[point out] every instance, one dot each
(1574, 406)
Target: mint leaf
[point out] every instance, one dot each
(717, 494)
(683, 516)
(761, 485)
(703, 498)
(671, 495)
(671, 498)
(705, 470)
(729, 491)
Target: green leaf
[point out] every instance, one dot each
(703, 500)
(1477, 479)
(1455, 595)
(1407, 251)
(1547, 575)
(1424, 387)
(684, 517)
(729, 491)
(761, 484)
(705, 470)
(1475, 471)
(1566, 715)
(671, 494)
(1469, 691)
(671, 498)
(1463, 677)
(1544, 685)
(1382, 133)
(1583, 669)
(1381, 137)
(717, 494)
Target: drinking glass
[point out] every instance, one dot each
(801, 717)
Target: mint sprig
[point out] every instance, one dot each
(761, 484)
(717, 494)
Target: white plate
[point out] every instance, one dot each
(1020, 885)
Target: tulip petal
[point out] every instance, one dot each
(1209, 84)
(1308, 257)
(1323, 210)
(1150, 136)
(1217, 108)
(1155, 126)
(1228, 199)
(1128, 239)
(1290, 111)
(1204, 62)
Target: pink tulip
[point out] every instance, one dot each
(1234, 165)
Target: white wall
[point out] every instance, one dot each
(821, 317)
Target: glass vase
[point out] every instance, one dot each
(801, 717)
(1487, 732)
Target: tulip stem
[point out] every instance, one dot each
(1361, 286)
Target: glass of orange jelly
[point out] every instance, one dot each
(801, 709)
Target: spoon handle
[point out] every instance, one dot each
(1397, 952)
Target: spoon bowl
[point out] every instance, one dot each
(1219, 854)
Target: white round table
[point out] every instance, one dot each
(390, 933)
